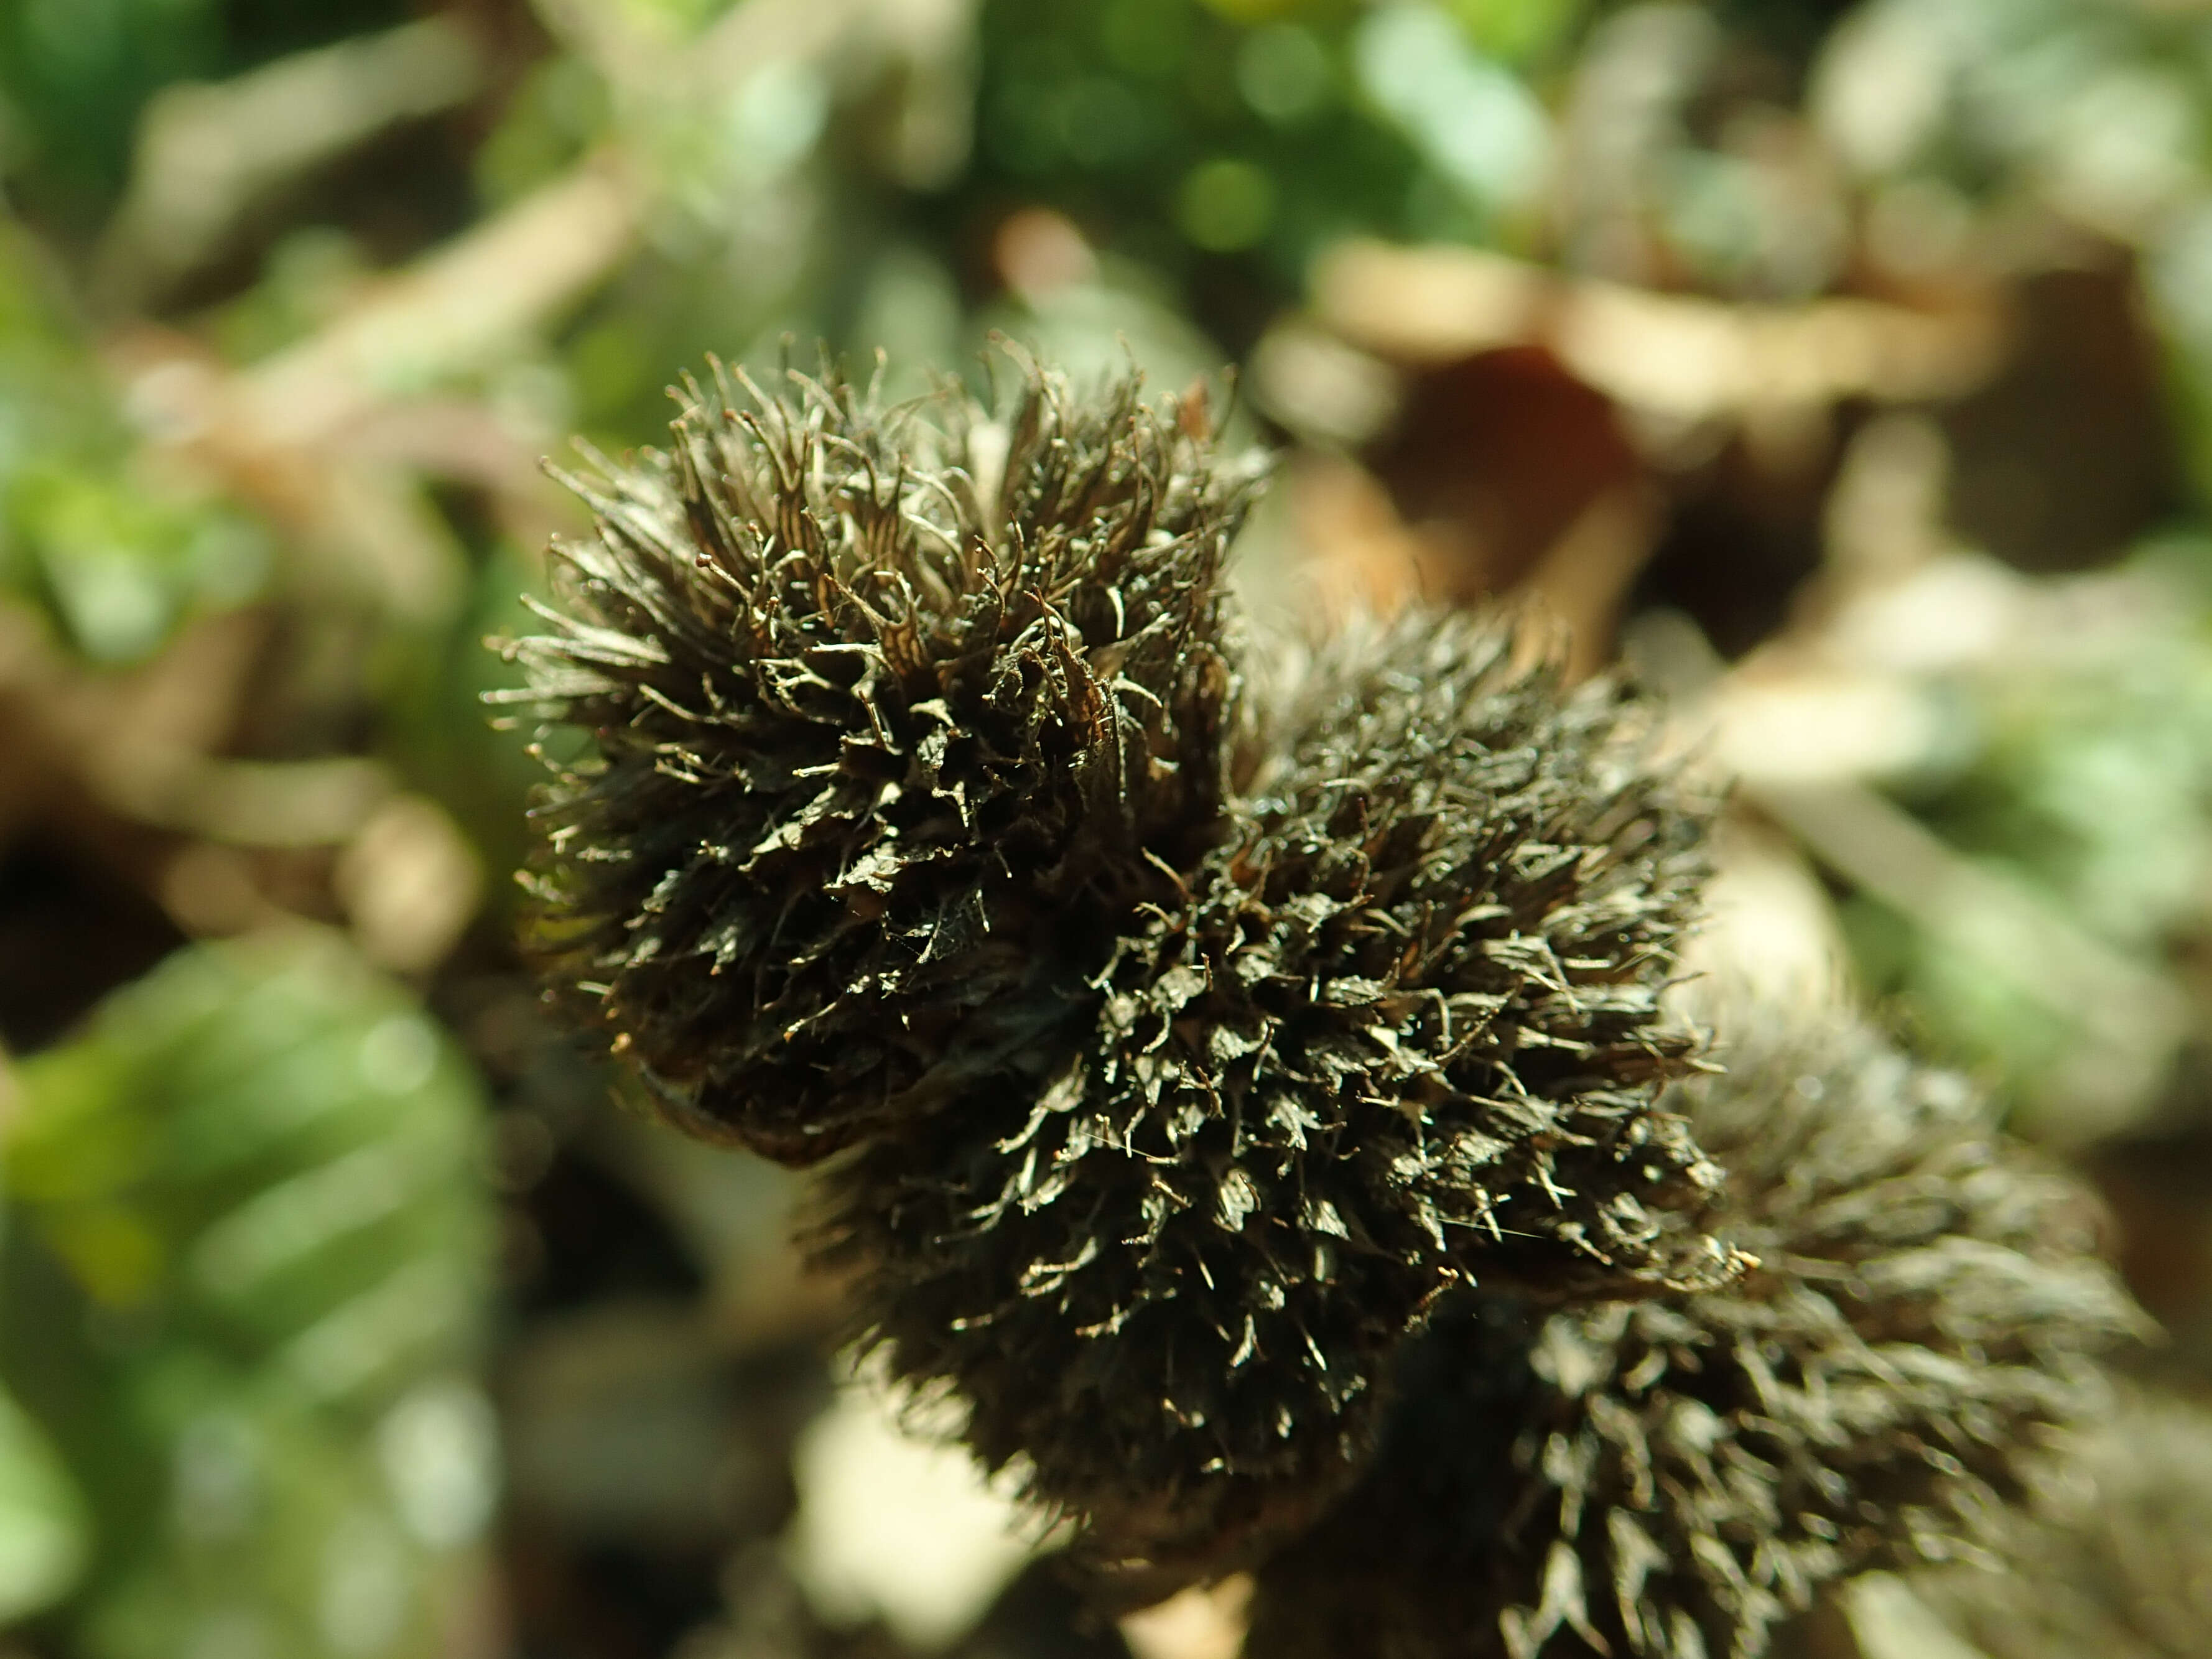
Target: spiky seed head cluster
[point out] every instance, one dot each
(1187, 1042)
(1399, 1030)
(888, 706)
(2117, 1565)
(1667, 1480)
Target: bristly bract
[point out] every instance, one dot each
(1668, 1479)
(1399, 1030)
(890, 708)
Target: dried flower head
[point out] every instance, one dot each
(1398, 1029)
(892, 711)
(1187, 1044)
(1668, 1479)
(2120, 1569)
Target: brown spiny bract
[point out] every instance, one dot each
(1666, 1480)
(892, 713)
(2119, 1568)
(1399, 1030)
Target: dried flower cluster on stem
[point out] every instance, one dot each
(1209, 1065)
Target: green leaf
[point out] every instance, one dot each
(247, 1281)
(45, 1536)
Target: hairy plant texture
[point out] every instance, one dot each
(1186, 1043)
(892, 712)
(1668, 1479)
(2121, 1569)
(1399, 1030)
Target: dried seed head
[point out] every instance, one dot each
(1399, 1029)
(2120, 1568)
(1186, 1049)
(892, 712)
(1668, 1479)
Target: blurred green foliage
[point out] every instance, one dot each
(118, 554)
(77, 73)
(253, 1179)
(2081, 775)
(44, 1531)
